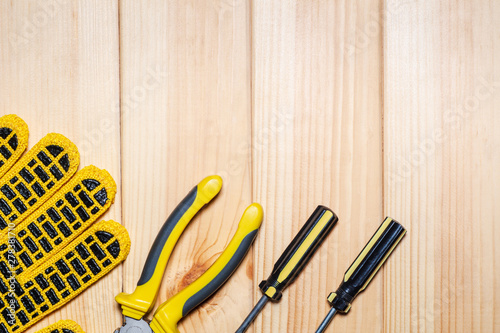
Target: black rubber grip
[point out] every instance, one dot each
(164, 234)
(274, 285)
(222, 277)
(368, 262)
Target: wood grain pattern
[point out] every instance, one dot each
(441, 167)
(193, 121)
(317, 140)
(372, 108)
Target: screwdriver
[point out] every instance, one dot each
(292, 261)
(364, 268)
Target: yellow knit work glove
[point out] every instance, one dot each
(63, 326)
(50, 248)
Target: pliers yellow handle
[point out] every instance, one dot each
(141, 301)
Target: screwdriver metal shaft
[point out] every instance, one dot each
(327, 320)
(251, 316)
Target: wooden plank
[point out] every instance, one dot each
(60, 73)
(317, 140)
(315, 137)
(441, 177)
(186, 114)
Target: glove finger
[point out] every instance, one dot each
(62, 326)
(58, 221)
(64, 276)
(36, 177)
(13, 141)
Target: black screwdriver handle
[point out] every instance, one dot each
(299, 252)
(367, 264)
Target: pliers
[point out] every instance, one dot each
(136, 305)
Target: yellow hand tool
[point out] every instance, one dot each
(141, 301)
(364, 268)
(294, 259)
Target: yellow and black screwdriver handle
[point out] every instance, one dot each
(299, 252)
(367, 264)
(169, 313)
(142, 300)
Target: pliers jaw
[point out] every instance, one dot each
(134, 326)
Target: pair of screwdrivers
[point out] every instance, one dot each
(302, 248)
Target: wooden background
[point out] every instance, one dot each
(370, 107)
